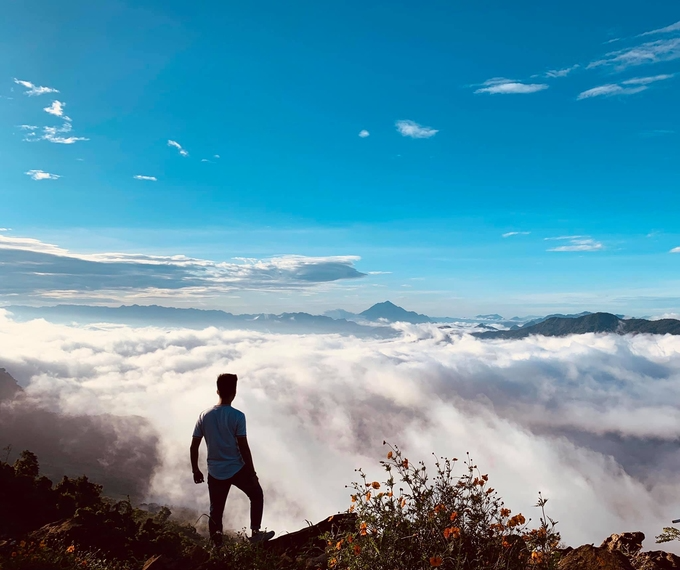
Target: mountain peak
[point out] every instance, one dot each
(393, 313)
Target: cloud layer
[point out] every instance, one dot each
(502, 86)
(586, 420)
(31, 268)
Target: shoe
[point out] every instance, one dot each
(260, 536)
(216, 540)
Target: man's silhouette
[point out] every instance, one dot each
(229, 460)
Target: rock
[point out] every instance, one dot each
(656, 560)
(307, 539)
(628, 543)
(589, 557)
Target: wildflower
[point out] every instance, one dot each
(22, 544)
(338, 545)
(389, 455)
(438, 508)
(71, 549)
(537, 557)
(516, 520)
(375, 485)
(332, 562)
(436, 561)
(485, 477)
(403, 503)
(43, 544)
(368, 496)
(350, 538)
(14, 554)
(506, 544)
(453, 516)
(354, 498)
(351, 508)
(505, 512)
(489, 490)
(390, 493)
(362, 529)
(357, 549)
(404, 464)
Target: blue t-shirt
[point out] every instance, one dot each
(220, 426)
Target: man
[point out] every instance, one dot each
(229, 460)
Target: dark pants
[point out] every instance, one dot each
(219, 489)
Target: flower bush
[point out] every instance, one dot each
(445, 522)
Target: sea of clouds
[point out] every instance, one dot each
(591, 421)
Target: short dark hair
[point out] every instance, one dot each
(226, 384)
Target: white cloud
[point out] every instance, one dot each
(57, 109)
(646, 53)
(412, 129)
(577, 243)
(364, 133)
(509, 234)
(28, 127)
(609, 90)
(34, 89)
(142, 177)
(576, 418)
(675, 250)
(647, 80)
(204, 160)
(562, 72)
(216, 156)
(667, 30)
(5, 229)
(41, 175)
(502, 86)
(178, 146)
(53, 135)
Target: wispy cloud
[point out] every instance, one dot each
(412, 129)
(178, 146)
(647, 53)
(216, 156)
(142, 177)
(502, 86)
(57, 109)
(609, 90)
(510, 234)
(34, 89)
(577, 243)
(28, 127)
(675, 250)
(561, 72)
(627, 87)
(667, 30)
(41, 175)
(364, 133)
(53, 135)
(5, 229)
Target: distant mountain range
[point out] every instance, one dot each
(373, 322)
(588, 323)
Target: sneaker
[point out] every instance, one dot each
(260, 536)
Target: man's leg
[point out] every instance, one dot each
(218, 490)
(249, 484)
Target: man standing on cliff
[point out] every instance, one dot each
(229, 460)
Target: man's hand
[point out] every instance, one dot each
(198, 477)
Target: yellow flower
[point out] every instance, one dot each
(71, 549)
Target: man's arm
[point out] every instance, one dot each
(193, 452)
(244, 448)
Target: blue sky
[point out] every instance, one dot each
(482, 119)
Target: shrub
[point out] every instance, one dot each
(438, 523)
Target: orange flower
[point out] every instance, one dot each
(447, 533)
(351, 508)
(332, 562)
(71, 549)
(390, 493)
(338, 545)
(506, 544)
(357, 549)
(436, 561)
(537, 557)
(403, 503)
(354, 498)
(489, 490)
(362, 529)
(485, 477)
(350, 538)
(505, 512)
(375, 485)
(43, 544)
(22, 544)
(439, 508)
(368, 496)
(453, 516)
(389, 455)
(404, 464)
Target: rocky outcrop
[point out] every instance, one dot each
(589, 557)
